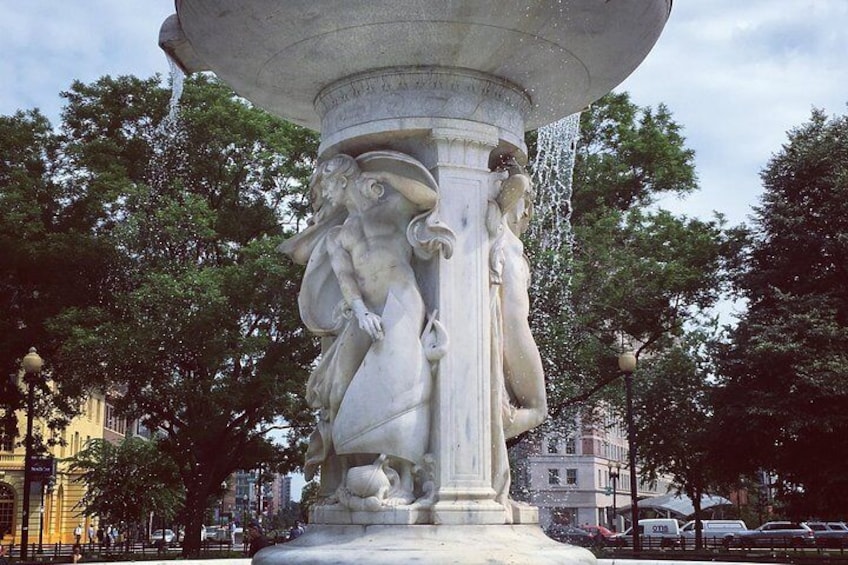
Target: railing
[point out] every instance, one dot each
(720, 548)
(63, 552)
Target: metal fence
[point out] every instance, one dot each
(63, 552)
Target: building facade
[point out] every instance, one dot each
(54, 504)
(569, 474)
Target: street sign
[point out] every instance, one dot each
(42, 467)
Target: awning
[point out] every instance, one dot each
(678, 504)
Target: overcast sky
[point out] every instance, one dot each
(736, 74)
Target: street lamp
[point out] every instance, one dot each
(627, 364)
(31, 366)
(221, 510)
(614, 474)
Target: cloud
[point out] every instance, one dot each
(738, 76)
(48, 44)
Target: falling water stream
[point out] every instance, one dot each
(177, 80)
(550, 239)
(552, 176)
(550, 231)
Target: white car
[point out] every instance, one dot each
(156, 536)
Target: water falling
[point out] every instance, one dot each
(550, 237)
(167, 160)
(549, 241)
(552, 176)
(177, 80)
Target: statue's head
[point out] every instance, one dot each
(333, 177)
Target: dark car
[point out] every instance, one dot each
(829, 534)
(775, 534)
(571, 534)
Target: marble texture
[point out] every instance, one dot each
(427, 545)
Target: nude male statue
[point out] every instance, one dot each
(372, 385)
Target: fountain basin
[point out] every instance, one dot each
(558, 55)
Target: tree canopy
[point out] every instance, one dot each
(175, 303)
(784, 393)
(638, 274)
(124, 482)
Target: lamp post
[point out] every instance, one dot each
(41, 523)
(31, 365)
(614, 474)
(627, 364)
(46, 486)
(221, 510)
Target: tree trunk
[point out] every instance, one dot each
(195, 505)
(699, 527)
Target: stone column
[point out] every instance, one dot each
(455, 122)
(462, 434)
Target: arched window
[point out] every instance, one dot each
(7, 508)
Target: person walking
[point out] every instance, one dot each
(256, 537)
(78, 533)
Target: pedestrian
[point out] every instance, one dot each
(91, 536)
(78, 533)
(296, 531)
(77, 553)
(256, 537)
(100, 534)
(3, 559)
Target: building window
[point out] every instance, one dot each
(7, 507)
(571, 477)
(553, 476)
(7, 442)
(553, 445)
(570, 446)
(113, 422)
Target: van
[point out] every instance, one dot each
(713, 532)
(653, 532)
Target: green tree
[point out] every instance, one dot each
(183, 306)
(124, 482)
(675, 434)
(50, 260)
(638, 273)
(784, 370)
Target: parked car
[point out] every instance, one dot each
(829, 534)
(776, 534)
(570, 534)
(600, 533)
(713, 532)
(216, 533)
(157, 536)
(653, 532)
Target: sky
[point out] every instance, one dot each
(736, 74)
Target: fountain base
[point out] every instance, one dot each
(425, 544)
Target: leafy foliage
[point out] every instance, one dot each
(175, 303)
(639, 274)
(676, 437)
(127, 481)
(785, 393)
